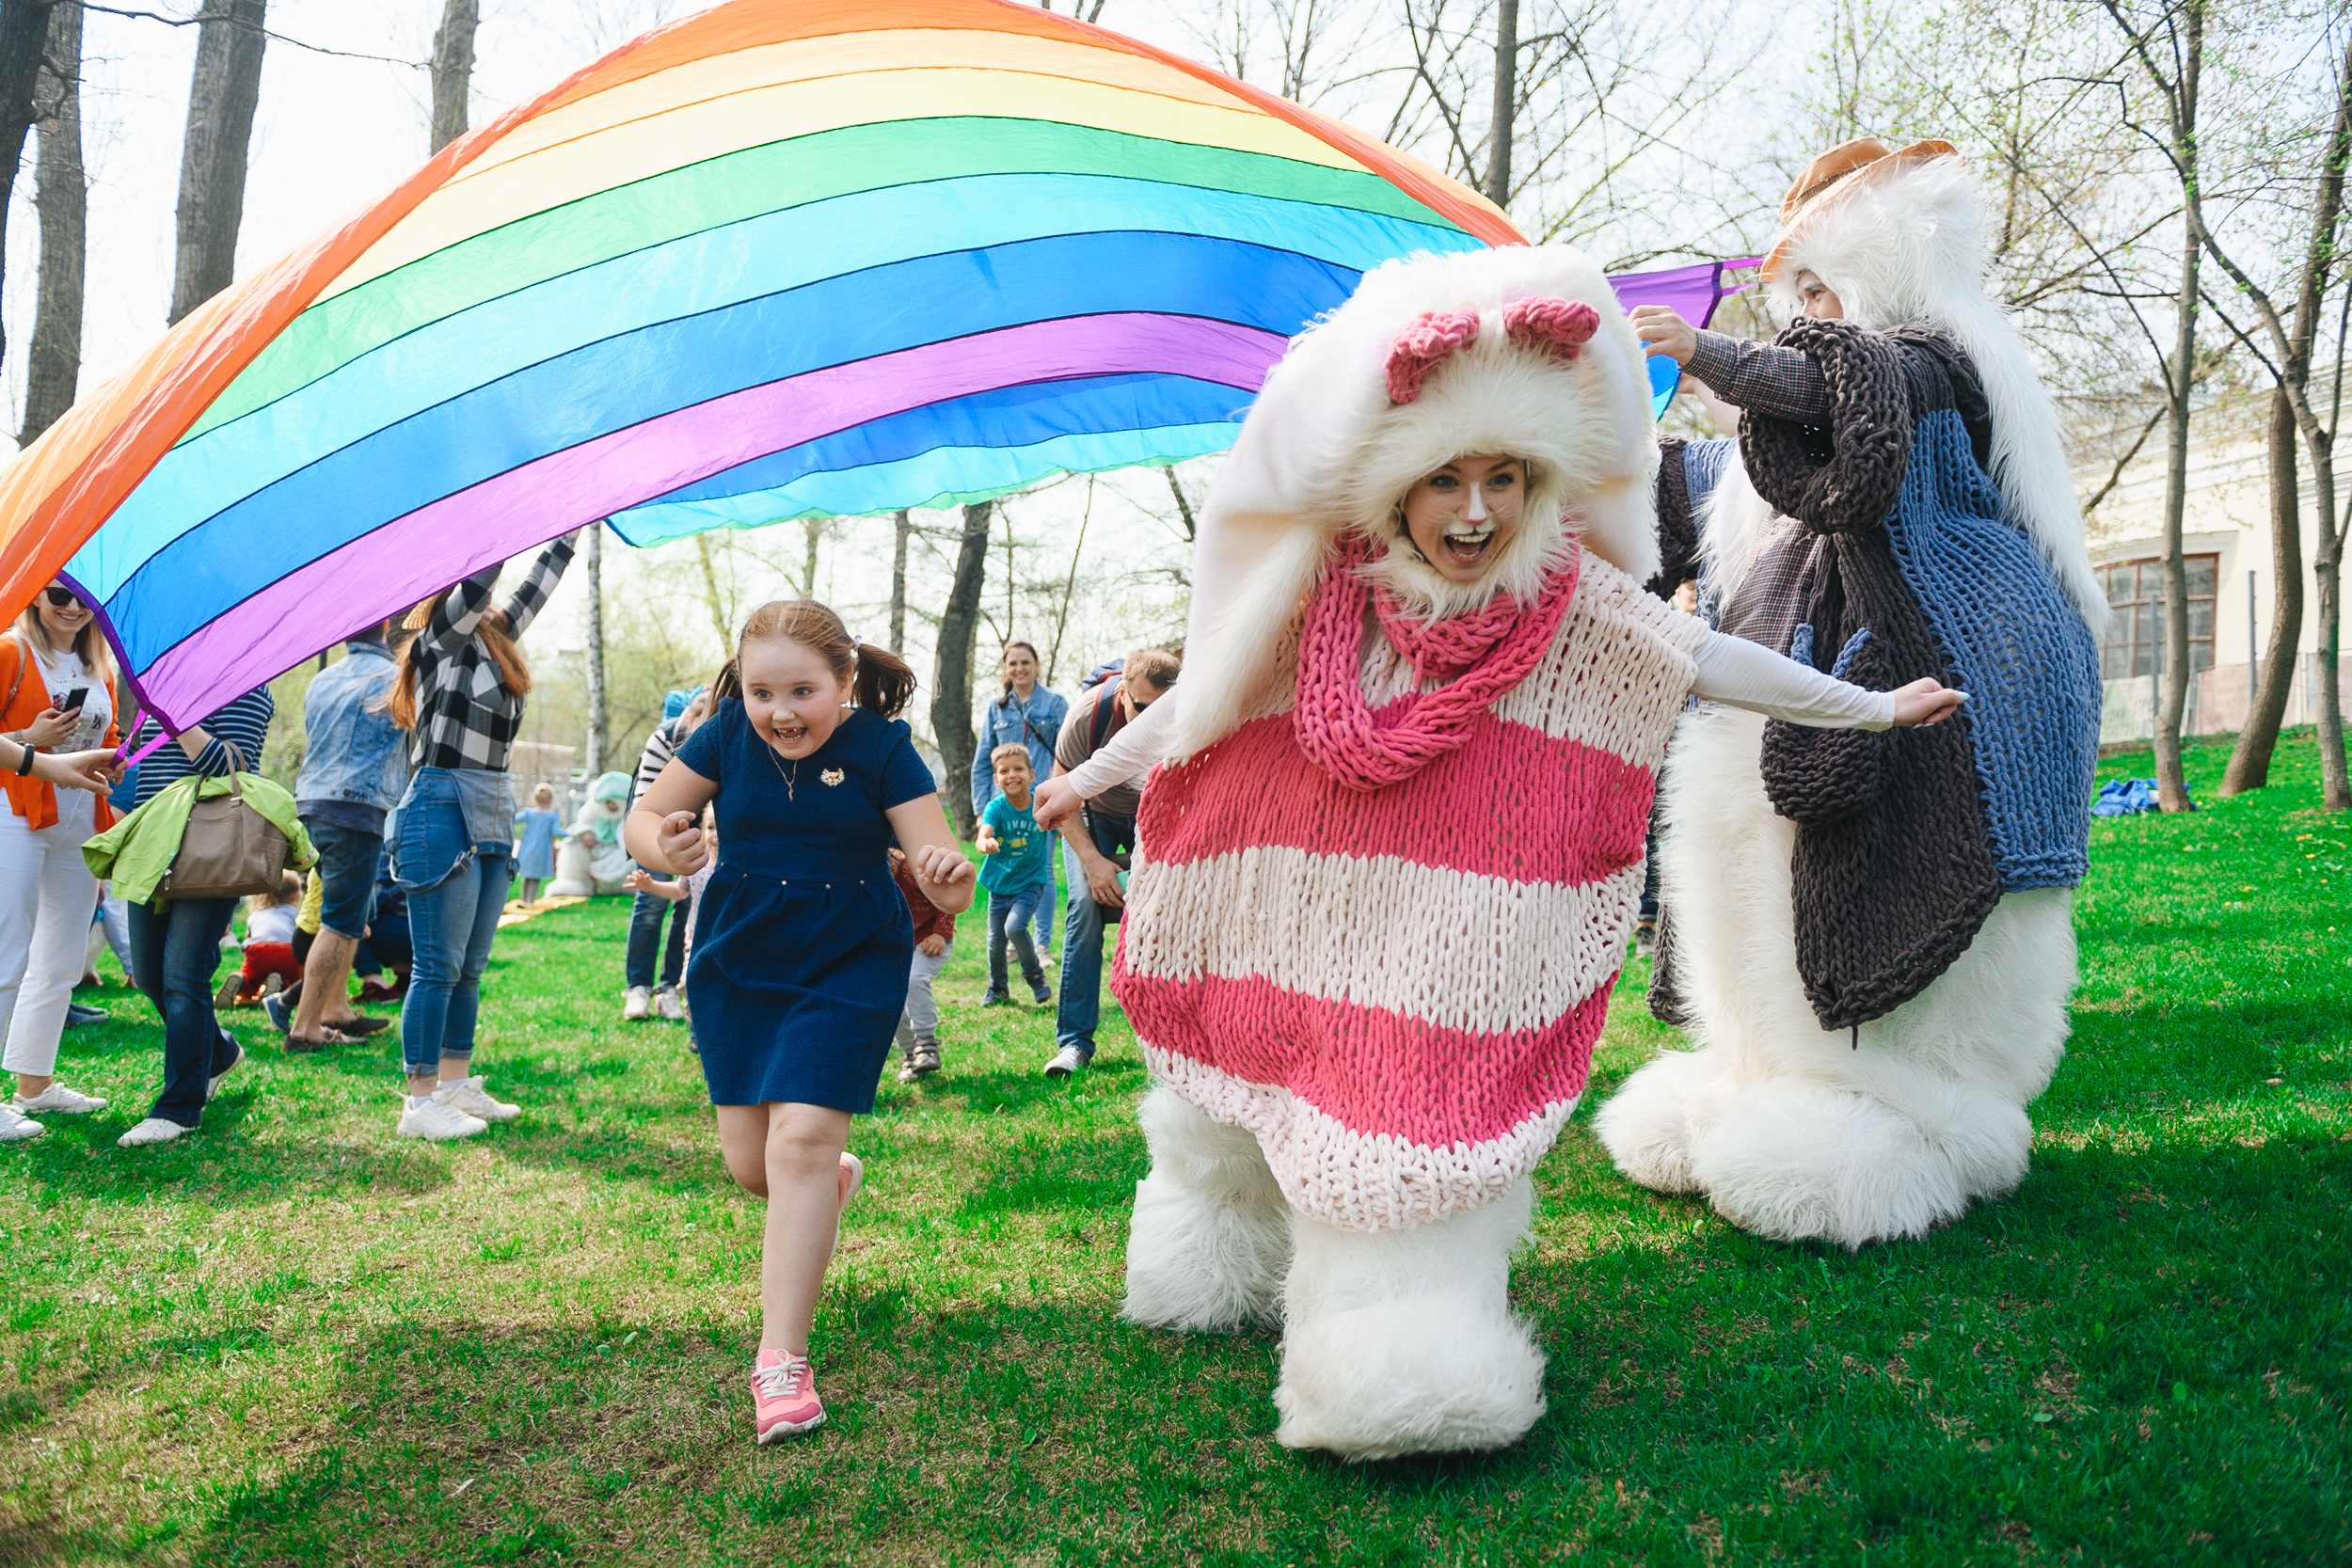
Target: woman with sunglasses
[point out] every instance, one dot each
(62, 697)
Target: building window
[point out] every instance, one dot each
(2135, 643)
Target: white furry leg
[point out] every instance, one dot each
(1794, 1160)
(1211, 1235)
(1649, 1125)
(1403, 1341)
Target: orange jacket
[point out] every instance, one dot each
(36, 800)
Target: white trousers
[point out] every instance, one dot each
(47, 897)
(919, 1023)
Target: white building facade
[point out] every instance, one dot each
(2225, 542)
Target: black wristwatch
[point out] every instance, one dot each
(25, 764)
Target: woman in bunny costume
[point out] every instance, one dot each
(1392, 859)
(1871, 938)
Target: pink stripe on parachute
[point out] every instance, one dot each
(1371, 1070)
(397, 564)
(1473, 813)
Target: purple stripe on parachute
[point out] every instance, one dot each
(397, 564)
(1695, 291)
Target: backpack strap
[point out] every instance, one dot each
(1099, 723)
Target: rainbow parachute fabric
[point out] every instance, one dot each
(786, 257)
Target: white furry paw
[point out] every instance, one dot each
(1209, 1241)
(1201, 1264)
(1793, 1160)
(1649, 1125)
(1437, 1372)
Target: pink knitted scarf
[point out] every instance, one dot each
(1479, 656)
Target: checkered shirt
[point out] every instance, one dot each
(465, 718)
(1782, 382)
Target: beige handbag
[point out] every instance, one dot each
(228, 850)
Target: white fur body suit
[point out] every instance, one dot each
(1391, 1290)
(1791, 1131)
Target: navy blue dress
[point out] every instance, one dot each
(801, 942)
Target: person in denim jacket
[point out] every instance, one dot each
(1031, 716)
(353, 772)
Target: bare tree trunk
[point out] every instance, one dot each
(2335, 786)
(713, 599)
(1070, 584)
(952, 666)
(594, 566)
(2249, 759)
(905, 526)
(222, 96)
(2172, 787)
(24, 35)
(1506, 102)
(452, 70)
(812, 534)
(52, 370)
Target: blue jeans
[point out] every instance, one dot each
(644, 936)
(450, 926)
(1081, 1007)
(1011, 913)
(347, 859)
(175, 951)
(1044, 916)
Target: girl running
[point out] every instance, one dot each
(803, 945)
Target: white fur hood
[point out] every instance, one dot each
(1323, 449)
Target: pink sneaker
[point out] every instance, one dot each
(784, 1396)
(852, 1176)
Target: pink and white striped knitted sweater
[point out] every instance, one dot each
(1397, 989)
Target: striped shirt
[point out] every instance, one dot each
(244, 723)
(465, 718)
(659, 748)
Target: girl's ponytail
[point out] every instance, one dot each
(884, 682)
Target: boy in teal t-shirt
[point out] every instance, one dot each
(1018, 872)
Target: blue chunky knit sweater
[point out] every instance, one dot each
(1907, 567)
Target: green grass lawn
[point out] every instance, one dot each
(296, 1339)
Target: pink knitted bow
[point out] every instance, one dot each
(1481, 655)
(1560, 327)
(1418, 349)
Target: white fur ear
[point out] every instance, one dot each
(1230, 648)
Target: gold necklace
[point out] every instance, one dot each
(791, 780)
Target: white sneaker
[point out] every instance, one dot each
(222, 1076)
(154, 1130)
(15, 1126)
(467, 1094)
(636, 1005)
(437, 1120)
(57, 1098)
(1066, 1061)
(665, 1002)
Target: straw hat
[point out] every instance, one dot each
(1836, 172)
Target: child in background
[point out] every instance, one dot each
(935, 940)
(535, 840)
(1019, 873)
(803, 945)
(687, 891)
(269, 934)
